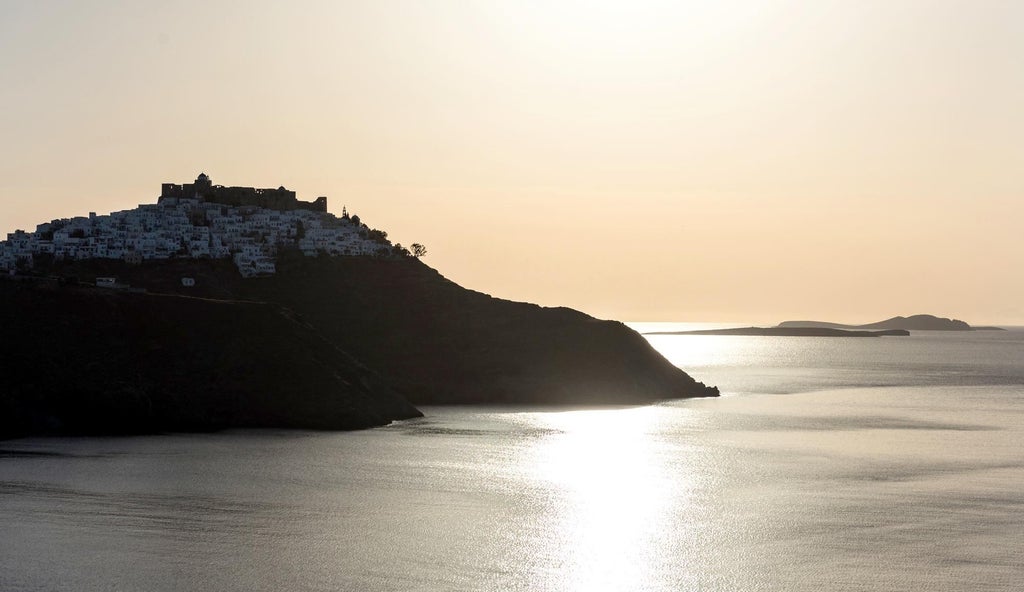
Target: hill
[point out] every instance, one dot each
(249, 308)
(94, 361)
(326, 343)
(432, 340)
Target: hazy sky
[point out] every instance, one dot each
(690, 161)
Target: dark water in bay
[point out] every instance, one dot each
(830, 464)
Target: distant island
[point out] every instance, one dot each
(896, 326)
(226, 307)
(921, 322)
(787, 332)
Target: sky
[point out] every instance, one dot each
(746, 162)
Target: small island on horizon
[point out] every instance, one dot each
(918, 322)
(787, 332)
(894, 327)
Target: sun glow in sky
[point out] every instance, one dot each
(683, 161)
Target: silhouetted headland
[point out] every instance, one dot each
(313, 322)
(787, 332)
(921, 322)
(326, 343)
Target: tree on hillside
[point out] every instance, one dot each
(418, 250)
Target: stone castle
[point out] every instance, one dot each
(203, 189)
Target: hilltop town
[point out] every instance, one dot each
(200, 220)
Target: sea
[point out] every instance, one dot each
(885, 464)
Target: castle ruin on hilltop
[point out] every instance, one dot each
(203, 189)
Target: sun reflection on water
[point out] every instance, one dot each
(608, 477)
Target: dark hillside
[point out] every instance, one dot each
(83, 360)
(434, 341)
(294, 349)
(437, 342)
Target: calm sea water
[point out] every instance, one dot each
(829, 464)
